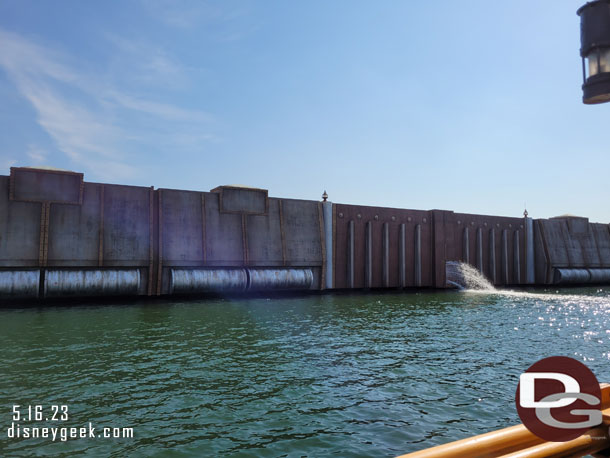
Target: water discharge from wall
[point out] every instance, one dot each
(464, 276)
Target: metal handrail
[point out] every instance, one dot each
(518, 442)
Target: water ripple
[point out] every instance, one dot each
(349, 375)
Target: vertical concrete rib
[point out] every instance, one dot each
(492, 256)
(529, 250)
(505, 256)
(334, 255)
(45, 209)
(100, 244)
(368, 255)
(282, 231)
(160, 244)
(328, 234)
(203, 234)
(480, 249)
(244, 238)
(516, 263)
(402, 256)
(466, 246)
(417, 260)
(151, 236)
(322, 245)
(350, 253)
(386, 255)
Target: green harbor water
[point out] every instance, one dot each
(322, 375)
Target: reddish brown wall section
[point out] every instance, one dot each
(454, 230)
(442, 240)
(394, 217)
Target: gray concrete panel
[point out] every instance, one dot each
(223, 232)
(302, 231)
(242, 200)
(182, 230)
(555, 242)
(328, 239)
(38, 185)
(575, 252)
(19, 230)
(74, 230)
(126, 225)
(265, 237)
(602, 239)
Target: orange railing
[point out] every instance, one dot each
(518, 442)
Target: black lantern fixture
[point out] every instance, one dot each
(595, 51)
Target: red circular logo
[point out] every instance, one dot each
(558, 399)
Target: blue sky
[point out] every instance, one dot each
(471, 106)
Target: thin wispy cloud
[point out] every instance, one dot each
(37, 155)
(163, 110)
(7, 162)
(231, 21)
(184, 14)
(92, 119)
(148, 64)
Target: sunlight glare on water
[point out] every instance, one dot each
(353, 375)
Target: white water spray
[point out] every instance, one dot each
(464, 276)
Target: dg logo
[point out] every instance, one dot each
(558, 399)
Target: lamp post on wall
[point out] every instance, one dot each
(595, 51)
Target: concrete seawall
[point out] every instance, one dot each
(62, 236)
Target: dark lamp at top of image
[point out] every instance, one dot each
(595, 51)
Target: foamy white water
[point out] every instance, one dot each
(469, 280)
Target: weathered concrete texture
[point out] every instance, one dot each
(242, 200)
(303, 232)
(264, 239)
(172, 236)
(19, 230)
(574, 242)
(74, 230)
(52, 186)
(127, 225)
(182, 227)
(328, 241)
(224, 239)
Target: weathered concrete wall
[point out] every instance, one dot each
(53, 221)
(241, 227)
(570, 243)
(74, 231)
(20, 230)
